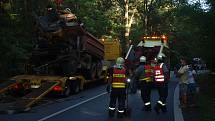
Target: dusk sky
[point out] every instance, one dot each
(203, 3)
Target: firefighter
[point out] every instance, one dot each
(161, 77)
(117, 84)
(143, 75)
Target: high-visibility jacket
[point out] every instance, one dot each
(119, 78)
(158, 73)
(148, 74)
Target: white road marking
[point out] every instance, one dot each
(70, 107)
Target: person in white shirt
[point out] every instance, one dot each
(183, 83)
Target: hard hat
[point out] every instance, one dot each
(143, 59)
(160, 56)
(68, 10)
(120, 61)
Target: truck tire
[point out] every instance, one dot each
(99, 69)
(96, 70)
(93, 71)
(75, 87)
(67, 89)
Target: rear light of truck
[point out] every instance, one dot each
(57, 88)
(17, 86)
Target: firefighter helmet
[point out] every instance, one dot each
(161, 56)
(142, 59)
(120, 61)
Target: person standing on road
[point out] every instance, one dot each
(117, 88)
(183, 83)
(161, 77)
(143, 75)
(191, 87)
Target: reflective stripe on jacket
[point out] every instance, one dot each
(119, 78)
(147, 75)
(158, 73)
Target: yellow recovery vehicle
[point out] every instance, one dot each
(66, 57)
(112, 50)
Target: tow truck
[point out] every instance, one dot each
(151, 46)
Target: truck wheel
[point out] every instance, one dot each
(99, 70)
(93, 71)
(75, 87)
(67, 90)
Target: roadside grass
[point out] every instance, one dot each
(206, 108)
(206, 97)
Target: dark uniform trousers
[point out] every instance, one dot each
(145, 91)
(120, 95)
(162, 91)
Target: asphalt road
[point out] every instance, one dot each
(92, 105)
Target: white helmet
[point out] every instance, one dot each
(142, 59)
(120, 61)
(160, 56)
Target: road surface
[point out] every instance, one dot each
(92, 105)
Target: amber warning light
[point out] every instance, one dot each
(163, 37)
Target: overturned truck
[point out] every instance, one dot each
(64, 47)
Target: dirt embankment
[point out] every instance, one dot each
(207, 84)
(205, 100)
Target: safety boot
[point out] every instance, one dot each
(147, 108)
(164, 109)
(157, 108)
(120, 115)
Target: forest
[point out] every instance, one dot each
(189, 27)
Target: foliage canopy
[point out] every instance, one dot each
(190, 29)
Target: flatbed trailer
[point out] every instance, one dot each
(40, 85)
(6, 85)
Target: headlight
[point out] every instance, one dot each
(72, 78)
